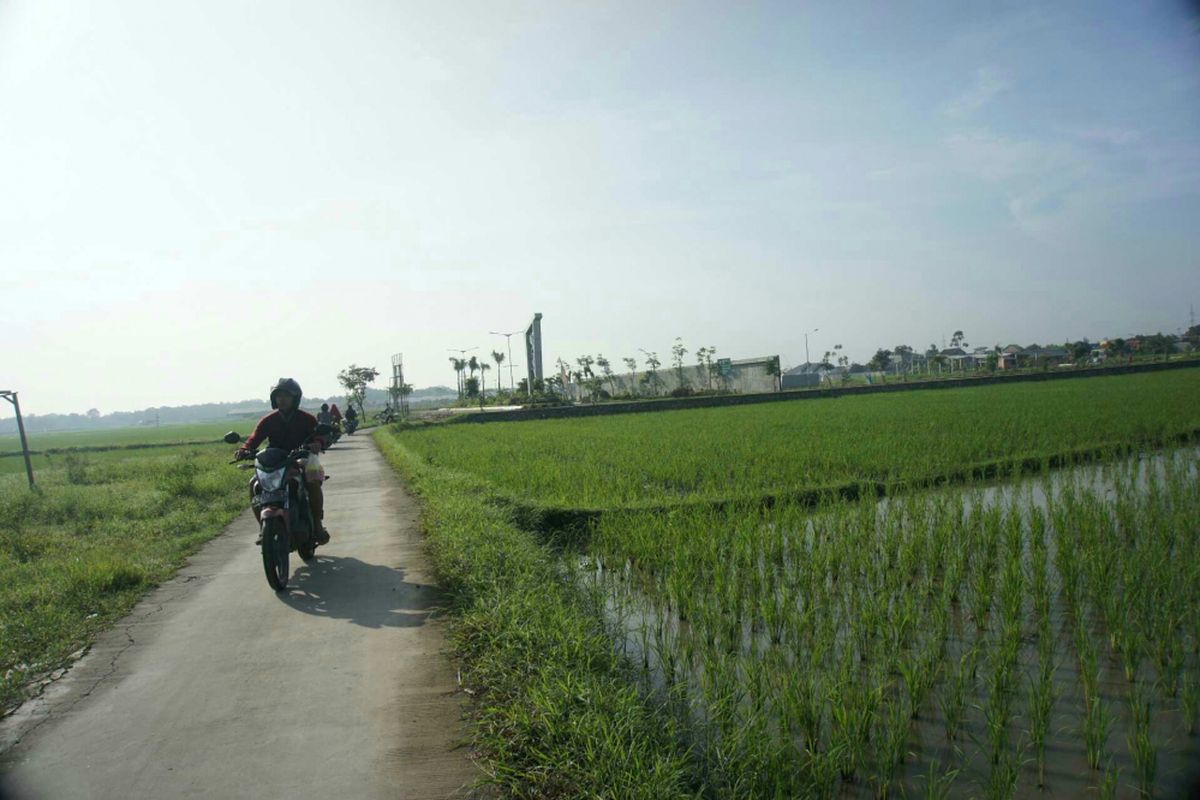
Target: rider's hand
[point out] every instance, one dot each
(241, 454)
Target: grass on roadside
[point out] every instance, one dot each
(557, 712)
(77, 554)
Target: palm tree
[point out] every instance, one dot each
(459, 365)
(483, 368)
(498, 357)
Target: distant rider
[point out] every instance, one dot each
(333, 412)
(352, 416)
(324, 416)
(288, 427)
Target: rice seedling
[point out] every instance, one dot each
(939, 781)
(1042, 695)
(1141, 744)
(953, 697)
(1189, 701)
(1004, 776)
(1096, 722)
(1110, 782)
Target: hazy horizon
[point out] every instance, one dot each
(206, 196)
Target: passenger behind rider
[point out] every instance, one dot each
(288, 427)
(333, 412)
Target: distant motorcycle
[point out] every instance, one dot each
(277, 489)
(351, 425)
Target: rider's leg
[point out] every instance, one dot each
(316, 503)
(257, 513)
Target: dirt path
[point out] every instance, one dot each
(217, 687)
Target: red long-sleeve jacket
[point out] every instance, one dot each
(287, 432)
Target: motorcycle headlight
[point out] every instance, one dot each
(270, 481)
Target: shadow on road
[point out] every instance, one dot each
(370, 595)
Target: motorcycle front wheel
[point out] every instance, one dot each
(275, 550)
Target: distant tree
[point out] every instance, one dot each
(354, 379)
(678, 351)
(1193, 335)
(1079, 350)
(93, 413)
(701, 354)
(459, 365)
(585, 366)
(473, 366)
(472, 386)
(631, 365)
(653, 363)
(1158, 344)
(483, 368)
(880, 360)
(775, 370)
(606, 370)
(993, 360)
(958, 340)
(904, 360)
(1117, 349)
(498, 357)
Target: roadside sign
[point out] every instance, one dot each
(725, 367)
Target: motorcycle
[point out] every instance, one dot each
(350, 424)
(278, 491)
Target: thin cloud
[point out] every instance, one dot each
(1113, 136)
(989, 82)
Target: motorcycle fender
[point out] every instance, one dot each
(274, 511)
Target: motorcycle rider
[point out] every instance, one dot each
(324, 417)
(352, 416)
(288, 427)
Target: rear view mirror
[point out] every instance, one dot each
(232, 437)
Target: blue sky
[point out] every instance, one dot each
(191, 186)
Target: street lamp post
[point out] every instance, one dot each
(508, 339)
(807, 360)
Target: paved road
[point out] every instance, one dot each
(215, 686)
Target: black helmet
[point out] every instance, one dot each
(286, 385)
(324, 406)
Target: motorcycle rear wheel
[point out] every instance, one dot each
(275, 550)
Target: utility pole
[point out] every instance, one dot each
(508, 339)
(11, 397)
(806, 335)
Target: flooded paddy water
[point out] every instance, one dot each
(1037, 636)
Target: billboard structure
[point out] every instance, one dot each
(396, 390)
(533, 351)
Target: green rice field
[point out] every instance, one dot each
(750, 451)
(112, 439)
(1032, 636)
